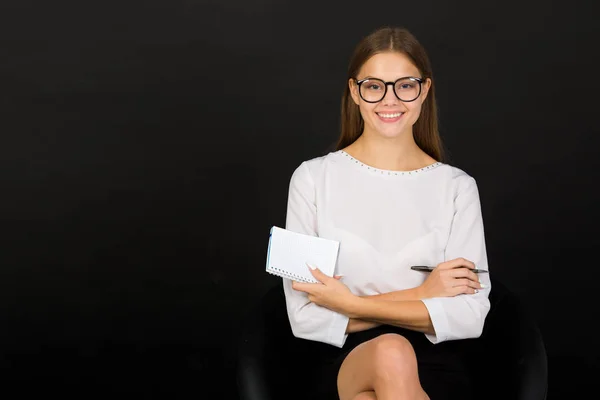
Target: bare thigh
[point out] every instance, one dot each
(386, 363)
(370, 395)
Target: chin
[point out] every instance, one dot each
(390, 133)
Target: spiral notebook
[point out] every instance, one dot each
(289, 252)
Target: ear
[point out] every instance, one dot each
(425, 88)
(353, 90)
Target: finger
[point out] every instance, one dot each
(463, 272)
(457, 263)
(474, 284)
(467, 283)
(472, 276)
(316, 272)
(462, 282)
(302, 287)
(338, 277)
(465, 290)
(463, 262)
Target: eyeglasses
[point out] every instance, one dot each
(373, 90)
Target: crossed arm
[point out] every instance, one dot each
(402, 308)
(389, 299)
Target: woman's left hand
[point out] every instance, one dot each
(329, 293)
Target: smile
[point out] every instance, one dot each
(396, 115)
(390, 117)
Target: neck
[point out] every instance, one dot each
(400, 153)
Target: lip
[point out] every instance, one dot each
(389, 120)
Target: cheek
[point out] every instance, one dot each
(366, 110)
(415, 109)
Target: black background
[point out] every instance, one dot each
(146, 148)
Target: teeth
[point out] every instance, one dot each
(390, 115)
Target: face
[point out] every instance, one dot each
(389, 117)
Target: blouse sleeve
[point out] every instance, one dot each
(463, 316)
(308, 320)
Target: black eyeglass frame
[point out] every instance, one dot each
(414, 78)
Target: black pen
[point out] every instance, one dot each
(429, 269)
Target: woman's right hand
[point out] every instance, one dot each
(449, 279)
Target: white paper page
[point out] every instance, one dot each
(290, 252)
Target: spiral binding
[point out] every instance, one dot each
(285, 274)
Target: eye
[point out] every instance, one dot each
(406, 86)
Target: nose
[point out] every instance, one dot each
(390, 97)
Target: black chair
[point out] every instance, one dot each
(511, 360)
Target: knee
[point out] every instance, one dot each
(370, 395)
(394, 353)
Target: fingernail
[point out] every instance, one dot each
(476, 291)
(310, 266)
(483, 285)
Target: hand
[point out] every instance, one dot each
(329, 293)
(451, 278)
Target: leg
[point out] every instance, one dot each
(370, 395)
(386, 366)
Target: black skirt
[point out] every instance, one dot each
(443, 367)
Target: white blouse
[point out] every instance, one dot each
(387, 221)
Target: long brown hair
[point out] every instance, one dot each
(386, 39)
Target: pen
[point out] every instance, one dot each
(429, 269)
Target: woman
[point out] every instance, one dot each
(389, 199)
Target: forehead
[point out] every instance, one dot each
(388, 66)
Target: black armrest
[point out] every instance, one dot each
(261, 327)
(532, 362)
(515, 362)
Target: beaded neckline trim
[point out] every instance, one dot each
(390, 172)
